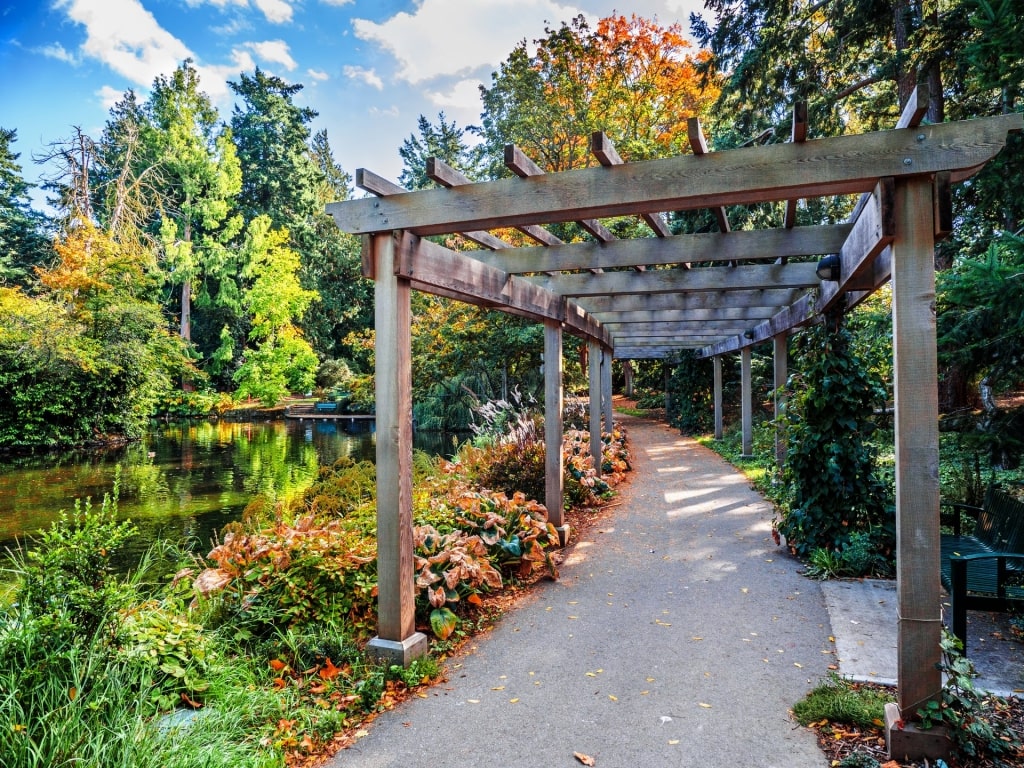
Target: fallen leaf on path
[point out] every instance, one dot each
(702, 704)
(613, 698)
(673, 741)
(585, 759)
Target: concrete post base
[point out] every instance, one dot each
(564, 532)
(400, 652)
(907, 742)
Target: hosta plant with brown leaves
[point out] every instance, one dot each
(449, 568)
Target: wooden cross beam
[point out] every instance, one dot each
(828, 166)
(747, 277)
(678, 249)
(762, 298)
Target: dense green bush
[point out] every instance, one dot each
(691, 386)
(831, 485)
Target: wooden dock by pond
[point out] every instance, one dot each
(323, 410)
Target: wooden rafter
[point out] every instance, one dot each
(798, 135)
(699, 146)
(604, 150)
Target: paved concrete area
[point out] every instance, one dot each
(863, 617)
(678, 635)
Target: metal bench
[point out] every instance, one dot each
(325, 406)
(984, 571)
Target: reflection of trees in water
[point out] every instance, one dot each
(183, 481)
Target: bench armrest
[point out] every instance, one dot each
(987, 556)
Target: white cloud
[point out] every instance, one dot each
(273, 51)
(125, 36)
(465, 94)
(58, 52)
(337, 3)
(213, 79)
(276, 11)
(488, 30)
(367, 76)
(109, 96)
(317, 74)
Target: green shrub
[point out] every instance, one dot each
(67, 581)
(832, 486)
(976, 720)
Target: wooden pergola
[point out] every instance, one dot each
(658, 296)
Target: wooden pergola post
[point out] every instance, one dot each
(397, 640)
(594, 366)
(780, 358)
(606, 388)
(553, 397)
(917, 448)
(746, 403)
(719, 421)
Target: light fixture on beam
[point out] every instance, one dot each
(828, 267)
(748, 334)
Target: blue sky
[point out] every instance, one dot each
(369, 67)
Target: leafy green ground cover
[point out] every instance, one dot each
(253, 656)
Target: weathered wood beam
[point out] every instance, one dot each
(746, 404)
(915, 392)
(553, 437)
(604, 150)
(747, 277)
(680, 341)
(441, 173)
(827, 166)
(520, 164)
(872, 231)
(594, 380)
(699, 145)
(397, 639)
(772, 298)
(719, 411)
(433, 268)
(719, 327)
(649, 353)
(710, 247)
(370, 182)
(744, 314)
(916, 107)
(582, 324)
(798, 135)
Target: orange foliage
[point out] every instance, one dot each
(648, 86)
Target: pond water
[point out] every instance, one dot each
(184, 481)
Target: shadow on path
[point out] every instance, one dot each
(678, 635)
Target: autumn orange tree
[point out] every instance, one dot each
(630, 77)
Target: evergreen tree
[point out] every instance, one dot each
(23, 241)
(445, 141)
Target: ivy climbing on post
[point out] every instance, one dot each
(832, 489)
